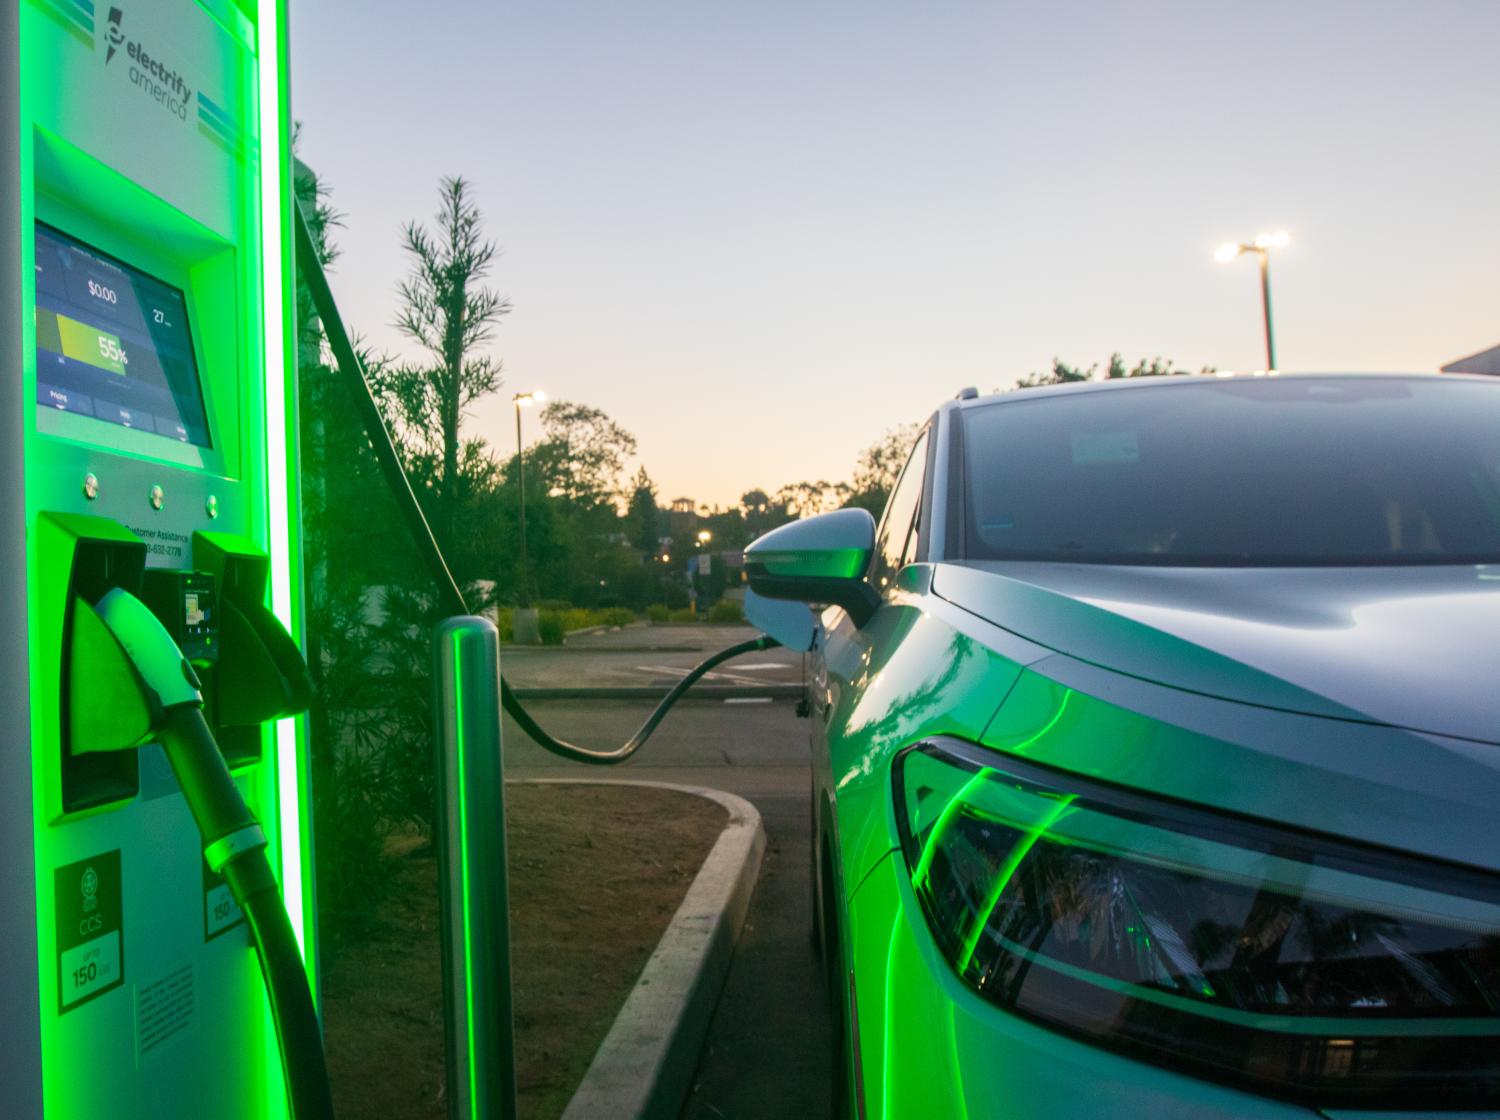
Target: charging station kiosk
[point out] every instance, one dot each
(147, 443)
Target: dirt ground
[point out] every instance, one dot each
(596, 873)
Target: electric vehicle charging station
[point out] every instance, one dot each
(146, 350)
(155, 824)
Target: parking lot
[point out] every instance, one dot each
(768, 1050)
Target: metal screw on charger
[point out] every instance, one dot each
(211, 506)
(158, 497)
(91, 486)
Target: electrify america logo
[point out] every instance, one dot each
(113, 34)
(149, 74)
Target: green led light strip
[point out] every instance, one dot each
(466, 901)
(278, 494)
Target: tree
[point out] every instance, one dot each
(447, 310)
(1061, 374)
(588, 451)
(760, 513)
(1156, 367)
(879, 465)
(804, 499)
(643, 515)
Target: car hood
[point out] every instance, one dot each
(1411, 647)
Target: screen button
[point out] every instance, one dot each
(64, 400)
(171, 428)
(125, 417)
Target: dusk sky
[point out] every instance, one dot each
(757, 235)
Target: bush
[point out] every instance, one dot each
(552, 627)
(685, 614)
(578, 619)
(658, 613)
(726, 610)
(616, 616)
(554, 605)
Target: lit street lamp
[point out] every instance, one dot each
(704, 536)
(524, 400)
(1261, 247)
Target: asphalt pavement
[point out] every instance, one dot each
(769, 1048)
(646, 656)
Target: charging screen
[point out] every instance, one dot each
(113, 342)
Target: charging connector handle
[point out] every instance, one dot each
(150, 647)
(233, 843)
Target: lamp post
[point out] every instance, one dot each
(524, 400)
(1261, 247)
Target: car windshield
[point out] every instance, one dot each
(1265, 471)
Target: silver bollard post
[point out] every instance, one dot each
(478, 1022)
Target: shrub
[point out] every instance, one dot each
(554, 605)
(726, 610)
(616, 616)
(684, 614)
(658, 613)
(578, 618)
(551, 626)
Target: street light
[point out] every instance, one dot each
(704, 536)
(524, 400)
(1261, 247)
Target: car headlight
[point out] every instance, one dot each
(1289, 964)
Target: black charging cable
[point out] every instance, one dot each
(234, 840)
(572, 751)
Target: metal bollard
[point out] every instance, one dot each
(477, 1017)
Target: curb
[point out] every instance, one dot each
(648, 692)
(644, 1067)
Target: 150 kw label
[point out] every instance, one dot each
(90, 921)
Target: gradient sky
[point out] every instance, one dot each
(758, 234)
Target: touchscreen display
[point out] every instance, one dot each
(113, 342)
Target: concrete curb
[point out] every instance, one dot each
(648, 692)
(644, 1068)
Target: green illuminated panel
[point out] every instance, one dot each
(103, 160)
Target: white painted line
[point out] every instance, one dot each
(715, 675)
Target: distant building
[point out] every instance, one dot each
(682, 518)
(1486, 361)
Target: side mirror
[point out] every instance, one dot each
(820, 559)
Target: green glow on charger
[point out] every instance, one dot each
(463, 863)
(275, 289)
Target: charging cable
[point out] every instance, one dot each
(572, 751)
